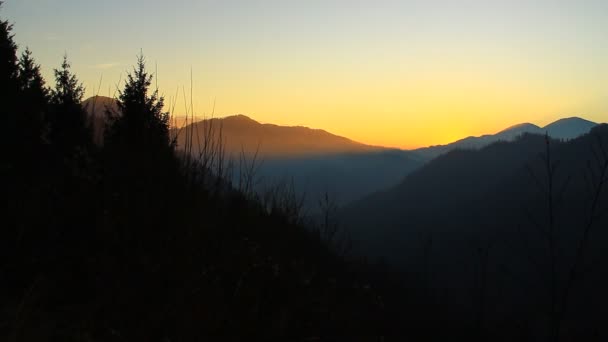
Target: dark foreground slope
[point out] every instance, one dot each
(131, 242)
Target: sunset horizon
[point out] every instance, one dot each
(182, 121)
(400, 74)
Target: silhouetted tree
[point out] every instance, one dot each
(8, 96)
(30, 80)
(142, 122)
(10, 188)
(68, 91)
(24, 102)
(68, 119)
(34, 98)
(8, 59)
(139, 164)
(137, 146)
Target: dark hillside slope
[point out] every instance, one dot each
(437, 192)
(465, 190)
(465, 206)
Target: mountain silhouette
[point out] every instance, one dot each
(312, 161)
(458, 184)
(565, 129)
(569, 128)
(243, 134)
(517, 130)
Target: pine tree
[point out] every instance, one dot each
(8, 61)
(8, 95)
(138, 160)
(34, 99)
(143, 122)
(137, 143)
(68, 129)
(11, 189)
(25, 210)
(68, 90)
(30, 80)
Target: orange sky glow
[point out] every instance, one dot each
(393, 73)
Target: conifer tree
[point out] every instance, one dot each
(10, 89)
(67, 118)
(142, 122)
(8, 60)
(34, 97)
(8, 162)
(138, 157)
(137, 145)
(30, 80)
(68, 90)
(23, 99)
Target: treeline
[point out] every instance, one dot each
(130, 241)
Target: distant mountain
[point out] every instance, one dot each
(240, 133)
(313, 161)
(513, 132)
(96, 108)
(564, 129)
(569, 128)
(243, 134)
(465, 196)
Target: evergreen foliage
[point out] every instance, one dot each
(142, 123)
(68, 125)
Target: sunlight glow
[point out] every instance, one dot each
(394, 73)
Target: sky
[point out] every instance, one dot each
(393, 73)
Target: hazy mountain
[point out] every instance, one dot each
(313, 161)
(241, 133)
(345, 177)
(513, 132)
(568, 128)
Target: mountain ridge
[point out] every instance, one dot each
(564, 129)
(243, 134)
